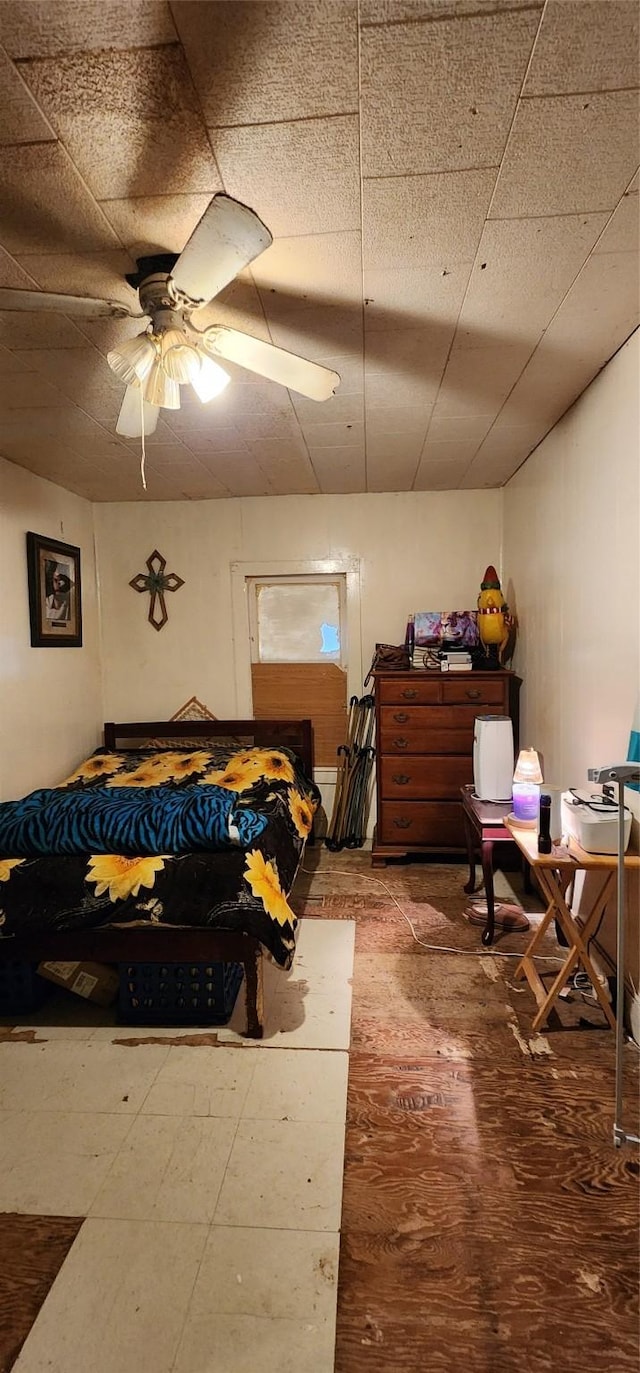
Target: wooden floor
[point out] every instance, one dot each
(488, 1223)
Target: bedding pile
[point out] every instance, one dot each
(210, 837)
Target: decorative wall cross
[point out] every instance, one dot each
(156, 583)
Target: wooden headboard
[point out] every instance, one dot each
(293, 734)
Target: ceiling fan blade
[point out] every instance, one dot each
(63, 305)
(307, 378)
(130, 419)
(228, 237)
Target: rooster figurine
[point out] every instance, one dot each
(495, 624)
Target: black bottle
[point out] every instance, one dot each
(544, 824)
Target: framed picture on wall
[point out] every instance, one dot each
(55, 593)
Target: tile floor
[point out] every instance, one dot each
(486, 1221)
(210, 1176)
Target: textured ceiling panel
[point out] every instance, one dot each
(161, 223)
(568, 154)
(46, 208)
(439, 97)
(130, 120)
(43, 29)
(523, 269)
(585, 45)
(21, 121)
(302, 178)
(259, 64)
(412, 221)
(466, 290)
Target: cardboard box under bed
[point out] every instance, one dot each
(155, 946)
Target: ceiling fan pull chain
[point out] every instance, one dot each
(142, 450)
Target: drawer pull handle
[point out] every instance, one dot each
(410, 693)
(402, 823)
(401, 717)
(400, 778)
(474, 693)
(401, 743)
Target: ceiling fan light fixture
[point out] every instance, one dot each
(209, 379)
(160, 389)
(177, 356)
(133, 359)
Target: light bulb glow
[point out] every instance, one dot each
(209, 380)
(178, 357)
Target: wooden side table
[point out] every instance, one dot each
(555, 872)
(485, 826)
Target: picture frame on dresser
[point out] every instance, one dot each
(424, 751)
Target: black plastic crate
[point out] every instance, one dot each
(21, 987)
(178, 993)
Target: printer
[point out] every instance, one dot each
(592, 821)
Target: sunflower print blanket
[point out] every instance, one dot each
(211, 837)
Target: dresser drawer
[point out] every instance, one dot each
(438, 824)
(416, 778)
(484, 692)
(415, 690)
(428, 729)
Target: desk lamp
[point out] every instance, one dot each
(527, 780)
(623, 774)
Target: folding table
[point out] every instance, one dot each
(555, 872)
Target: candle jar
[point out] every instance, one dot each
(526, 802)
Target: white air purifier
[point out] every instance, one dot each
(493, 757)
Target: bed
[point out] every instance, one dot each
(211, 819)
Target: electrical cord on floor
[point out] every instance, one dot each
(433, 948)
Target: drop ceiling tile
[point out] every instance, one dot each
(621, 234)
(206, 442)
(239, 473)
(441, 96)
(394, 11)
(85, 274)
(339, 471)
(585, 45)
(10, 363)
(334, 435)
(597, 316)
(404, 367)
(82, 376)
(156, 223)
(634, 184)
(106, 334)
(35, 330)
(301, 177)
(388, 472)
(523, 269)
(255, 64)
(40, 29)
(286, 466)
(391, 387)
(462, 430)
(568, 154)
(11, 274)
(339, 409)
(24, 391)
(477, 380)
(500, 456)
(168, 454)
(394, 448)
(57, 215)
(130, 120)
(415, 297)
(315, 333)
(20, 119)
(398, 419)
(315, 269)
(415, 221)
(440, 474)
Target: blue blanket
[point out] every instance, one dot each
(152, 820)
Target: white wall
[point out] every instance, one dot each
(572, 551)
(415, 551)
(50, 698)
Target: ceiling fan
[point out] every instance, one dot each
(171, 351)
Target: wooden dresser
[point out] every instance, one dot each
(424, 754)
